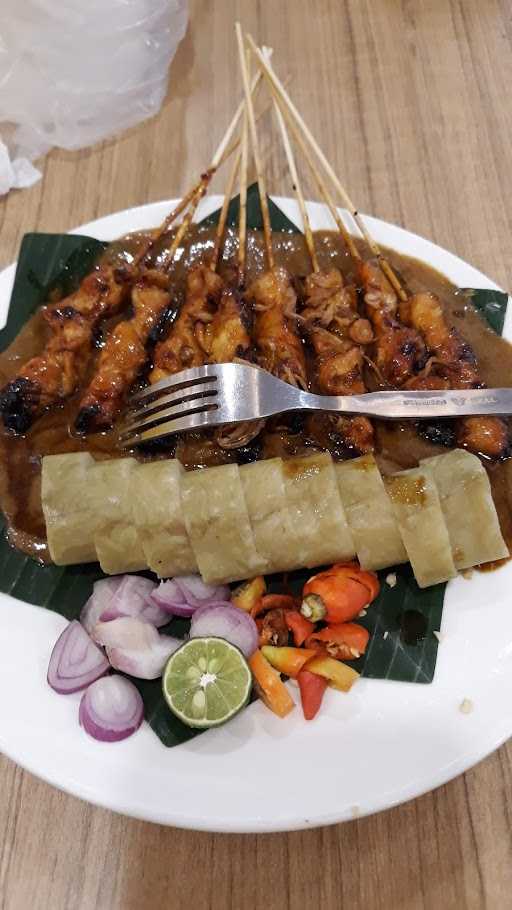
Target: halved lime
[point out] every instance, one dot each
(206, 682)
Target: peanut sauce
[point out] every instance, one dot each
(398, 444)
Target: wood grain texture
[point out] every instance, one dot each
(411, 100)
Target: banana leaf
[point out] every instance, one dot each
(491, 305)
(51, 261)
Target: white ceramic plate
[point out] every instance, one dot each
(383, 743)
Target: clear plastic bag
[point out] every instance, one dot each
(74, 72)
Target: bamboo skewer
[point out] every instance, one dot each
(241, 142)
(267, 230)
(182, 205)
(164, 227)
(285, 98)
(319, 180)
(221, 226)
(184, 226)
(236, 142)
(223, 145)
(222, 153)
(310, 243)
(242, 214)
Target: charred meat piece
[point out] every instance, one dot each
(486, 436)
(399, 350)
(57, 372)
(454, 358)
(273, 629)
(188, 342)
(230, 337)
(230, 340)
(337, 333)
(124, 354)
(453, 365)
(279, 348)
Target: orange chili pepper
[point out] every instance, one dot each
(247, 595)
(353, 570)
(273, 601)
(312, 688)
(287, 660)
(343, 591)
(270, 686)
(344, 641)
(338, 675)
(299, 626)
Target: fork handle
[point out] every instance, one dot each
(430, 404)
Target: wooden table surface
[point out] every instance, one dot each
(412, 104)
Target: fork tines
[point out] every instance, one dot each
(183, 402)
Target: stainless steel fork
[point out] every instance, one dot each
(232, 392)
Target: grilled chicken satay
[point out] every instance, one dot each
(399, 350)
(124, 354)
(230, 339)
(230, 329)
(125, 351)
(278, 346)
(188, 342)
(57, 372)
(337, 334)
(61, 368)
(452, 365)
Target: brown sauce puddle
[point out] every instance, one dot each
(398, 445)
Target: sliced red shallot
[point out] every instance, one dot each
(111, 709)
(183, 595)
(198, 594)
(228, 622)
(100, 599)
(76, 661)
(133, 598)
(135, 647)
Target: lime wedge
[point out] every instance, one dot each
(206, 682)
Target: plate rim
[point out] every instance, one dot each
(105, 228)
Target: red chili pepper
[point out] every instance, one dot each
(299, 626)
(274, 601)
(343, 641)
(312, 688)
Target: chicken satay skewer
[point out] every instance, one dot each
(197, 335)
(401, 344)
(125, 351)
(278, 347)
(231, 325)
(54, 375)
(399, 349)
(334, 329)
